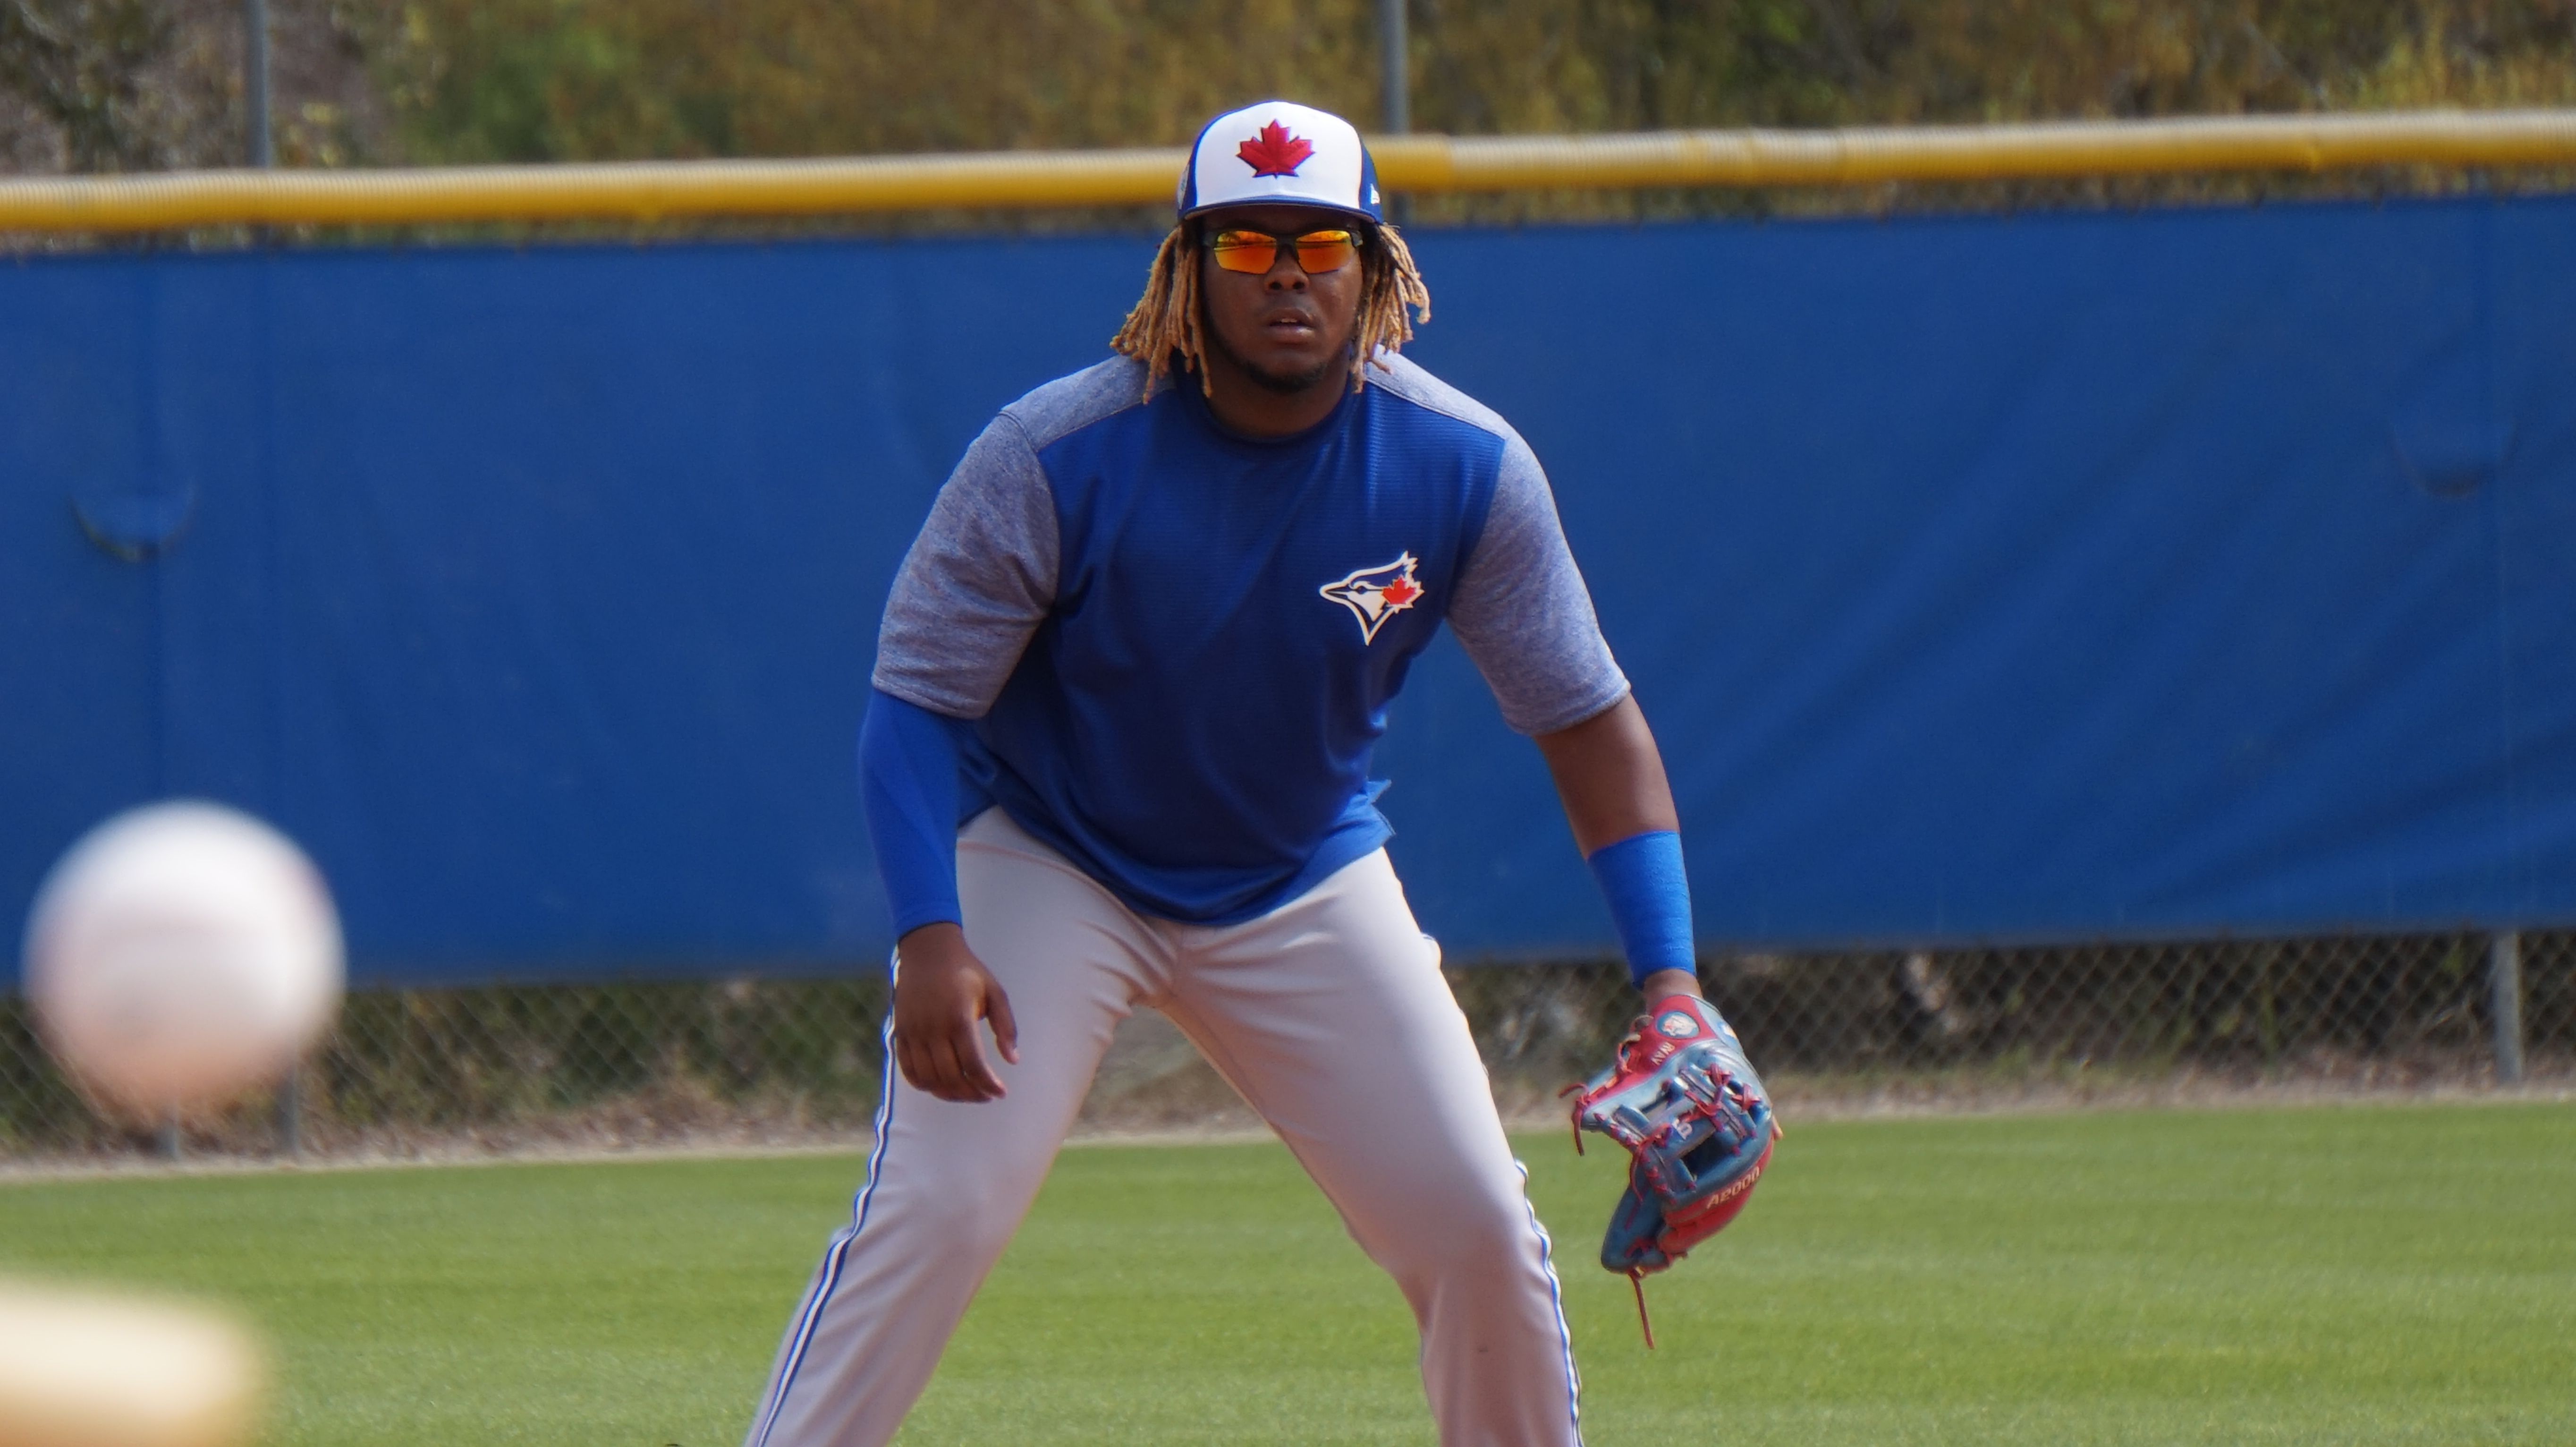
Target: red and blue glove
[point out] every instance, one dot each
(1696, 1123)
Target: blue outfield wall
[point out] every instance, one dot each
(2054, 577)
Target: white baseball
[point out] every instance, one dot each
(180, 954)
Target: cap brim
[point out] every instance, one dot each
(1300, 202)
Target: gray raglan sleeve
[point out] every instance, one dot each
(1523, 614)
(977, 582)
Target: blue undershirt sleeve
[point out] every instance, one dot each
(908, 764)
(1641, 876)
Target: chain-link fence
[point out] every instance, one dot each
(2096, 1021)
(751, 1061)
(518, 1066)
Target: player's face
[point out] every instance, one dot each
(1287, 329)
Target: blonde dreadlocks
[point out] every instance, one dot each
(1169, 320)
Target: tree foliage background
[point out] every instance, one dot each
(123, 85)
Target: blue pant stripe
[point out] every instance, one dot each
(835, 1255)
(1556, 1302)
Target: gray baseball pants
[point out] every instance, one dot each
(1329, 1014)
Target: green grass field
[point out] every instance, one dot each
(2327, 1275)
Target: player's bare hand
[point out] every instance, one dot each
(941, 993)
(1664, 984)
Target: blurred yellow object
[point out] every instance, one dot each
(627, 190)
(659, 190)
(1871, 155)
(88, 1369)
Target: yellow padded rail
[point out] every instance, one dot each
(1421, 164)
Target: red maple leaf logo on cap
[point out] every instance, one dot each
(1274, 152)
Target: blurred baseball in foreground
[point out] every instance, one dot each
(79, 1369)
(180, 954)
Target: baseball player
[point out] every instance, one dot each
(1127, 685)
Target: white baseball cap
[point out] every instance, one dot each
(1280, 152)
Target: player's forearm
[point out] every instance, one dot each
(1611, 777)
(908, 786)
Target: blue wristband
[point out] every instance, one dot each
(1641, 876)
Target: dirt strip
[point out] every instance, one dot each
(1237, 1126)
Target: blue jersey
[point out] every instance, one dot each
(1178, 644)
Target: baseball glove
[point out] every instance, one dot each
(1683, 1100)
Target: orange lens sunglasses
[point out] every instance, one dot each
(1253, 253)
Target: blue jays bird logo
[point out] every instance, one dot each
(1376, 594)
